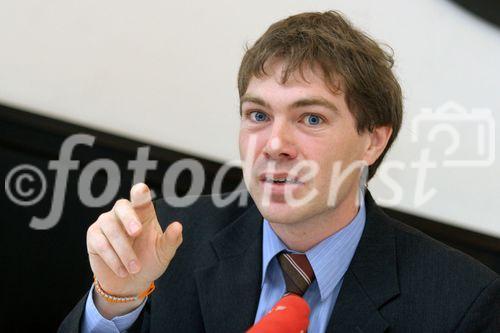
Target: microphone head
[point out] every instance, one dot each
(290, 314)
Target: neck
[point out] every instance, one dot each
(306, 234)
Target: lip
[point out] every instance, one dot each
(279, 190)
(263, 177)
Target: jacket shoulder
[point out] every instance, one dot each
(429, 255)
(437, 281)
(439, 277)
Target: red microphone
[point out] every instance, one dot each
(290, 314)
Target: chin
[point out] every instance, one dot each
(282, 213)
(276, 209)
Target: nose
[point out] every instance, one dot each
(280, 144)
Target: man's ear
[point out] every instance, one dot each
(377, 141)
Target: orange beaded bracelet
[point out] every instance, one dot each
(116, 299)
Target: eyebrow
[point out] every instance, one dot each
(313, 101)
(253, 99)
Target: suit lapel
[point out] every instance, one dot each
(229, 288)
(371, 280)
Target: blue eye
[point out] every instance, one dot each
(313, 120)
(258, 116)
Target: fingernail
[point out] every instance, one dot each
(133, 266)
(134, 227)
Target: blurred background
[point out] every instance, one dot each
(161, 76)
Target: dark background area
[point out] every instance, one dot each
(45, 272)
(487, 10)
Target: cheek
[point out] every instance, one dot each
(328, 153)
(317, 149)
(250, 145)
(242, 144)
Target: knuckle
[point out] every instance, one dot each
(120, 203)
(103, 217)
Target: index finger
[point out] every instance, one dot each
(126, 214)
(140, 197)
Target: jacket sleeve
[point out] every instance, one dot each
(72, 322)
(483, 315)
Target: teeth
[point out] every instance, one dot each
(281, 180)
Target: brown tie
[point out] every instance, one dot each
(298, 275)
(297, 272)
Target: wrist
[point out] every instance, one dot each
(111, 310)
(119, 298)
(126, 288)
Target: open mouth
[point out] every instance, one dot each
(280, 179)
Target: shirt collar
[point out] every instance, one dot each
(329, 259)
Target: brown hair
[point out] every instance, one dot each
(349, 59)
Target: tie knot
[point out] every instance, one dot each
(297, 272)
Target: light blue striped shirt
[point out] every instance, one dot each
(94, 322)
(329, 260)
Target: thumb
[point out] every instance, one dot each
(169, 241)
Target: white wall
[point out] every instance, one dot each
(165, 72)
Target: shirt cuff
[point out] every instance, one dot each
(94, 322)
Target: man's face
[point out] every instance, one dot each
(297, 124)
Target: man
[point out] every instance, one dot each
(320, 107)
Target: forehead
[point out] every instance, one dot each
(306, 82)
(307, 78)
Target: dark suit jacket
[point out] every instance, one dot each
(399, 280)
